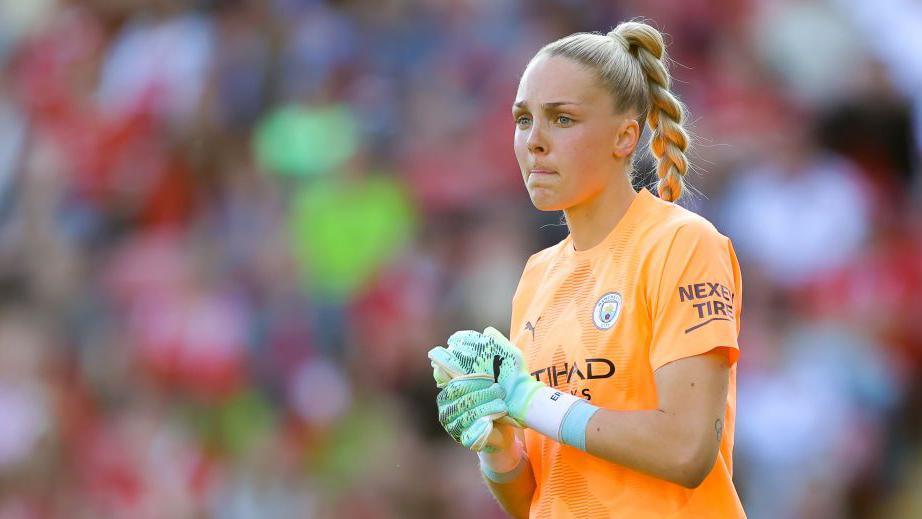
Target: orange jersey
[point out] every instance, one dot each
(662, 286)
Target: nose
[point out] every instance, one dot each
(537, 143)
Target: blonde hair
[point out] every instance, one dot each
(631, 63)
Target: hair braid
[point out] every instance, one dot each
(669, 140)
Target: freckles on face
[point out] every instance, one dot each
(564, 133)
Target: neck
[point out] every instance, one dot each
(593, 219)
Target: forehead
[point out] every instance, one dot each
(550, 79)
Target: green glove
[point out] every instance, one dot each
(446, 366)
(490, 354)
(529, 403)
(495, 437)
(467, 409)
(469, 403)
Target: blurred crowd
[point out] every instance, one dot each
(230, 230)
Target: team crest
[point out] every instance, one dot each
(607, 310)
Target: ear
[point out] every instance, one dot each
(626, 138)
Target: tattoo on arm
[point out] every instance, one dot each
(719, 427)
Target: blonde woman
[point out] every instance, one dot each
(615, 396)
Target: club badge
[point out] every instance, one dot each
(607, 310)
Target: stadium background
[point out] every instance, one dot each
(230, 231)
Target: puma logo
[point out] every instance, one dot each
(528, 326)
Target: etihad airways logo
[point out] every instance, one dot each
(589, 369)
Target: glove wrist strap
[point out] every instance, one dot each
(559, 416)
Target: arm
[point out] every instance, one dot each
(677, 442)
(515, 496)
(468, 406)
(680, 439)
(508, 473)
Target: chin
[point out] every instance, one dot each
(542, 202)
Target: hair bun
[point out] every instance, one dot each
(638, 34)
(620, 39)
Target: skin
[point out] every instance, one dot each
(574, 157)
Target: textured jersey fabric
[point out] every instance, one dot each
(663, 285)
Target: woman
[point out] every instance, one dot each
(628, 327)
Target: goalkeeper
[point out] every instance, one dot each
(616, 395)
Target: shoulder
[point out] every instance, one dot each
(536, 267)
(674, 226)
(681, 246)
(686, 250)
(540, 260)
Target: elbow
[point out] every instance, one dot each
(691, 480)
(694, 466)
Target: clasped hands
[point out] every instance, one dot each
(485, 389)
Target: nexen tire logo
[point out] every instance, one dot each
(710, 301)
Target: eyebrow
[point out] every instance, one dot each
(546, 106)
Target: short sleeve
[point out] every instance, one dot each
(696, 300)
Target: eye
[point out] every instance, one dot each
(564, 120)
(522, 120)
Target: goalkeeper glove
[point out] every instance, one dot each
(472, 411)
(469, 403)
(467, 411)
(530, 403)
(467, 408)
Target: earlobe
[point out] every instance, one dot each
(626, 138)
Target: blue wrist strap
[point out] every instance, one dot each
(573, 427)
(505, 477)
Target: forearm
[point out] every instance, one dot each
(654, 442)
(508, 472)
(678, 441)
(515, 496)
(671, 443)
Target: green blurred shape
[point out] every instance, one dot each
(234, 426)
(244, 419)
(360, 445)
(300, 140)
(345, 230)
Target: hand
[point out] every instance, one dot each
(529, 403)
(490, 354)
(446, 366)
(468, 408)
(462, 402)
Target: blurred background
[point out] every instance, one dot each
(230, 231)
